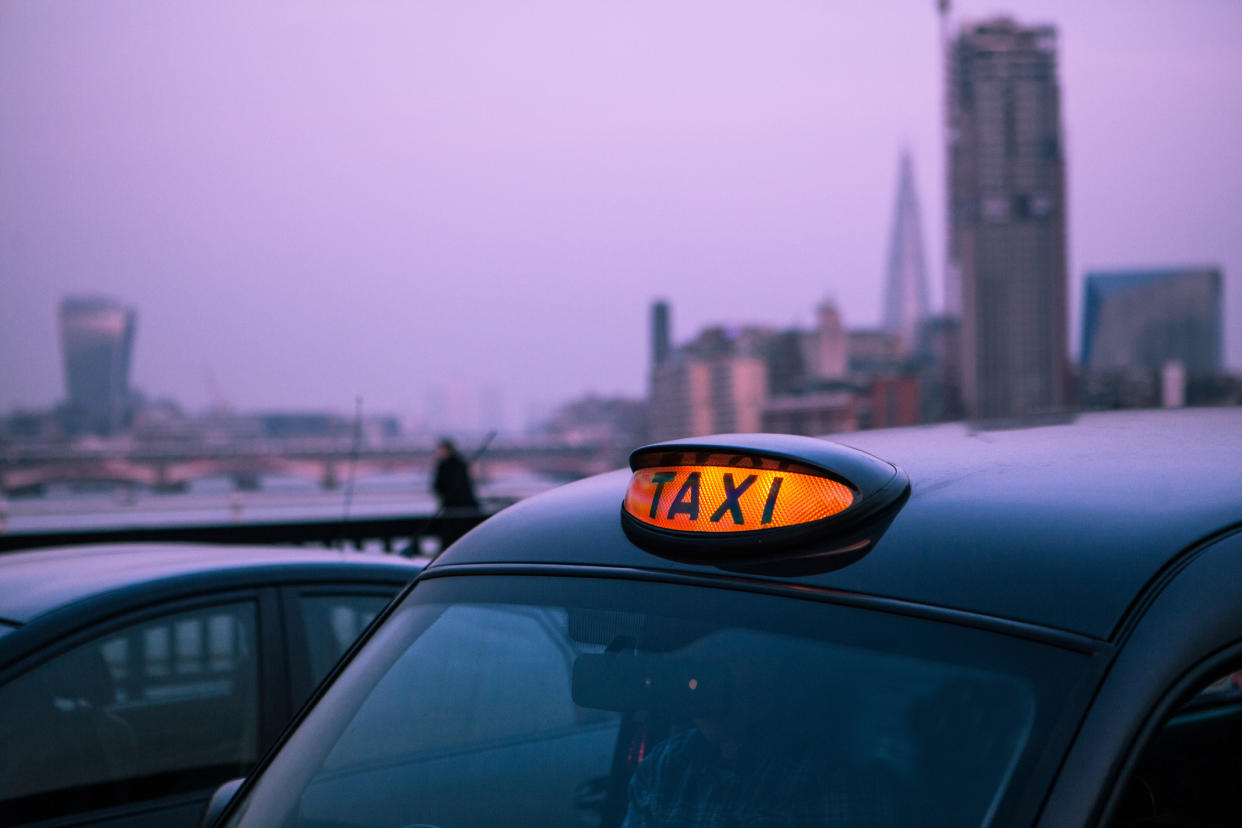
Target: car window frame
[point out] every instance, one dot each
(300, 686)
(1172, 636)
(1174, 697)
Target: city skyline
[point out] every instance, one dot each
(387, 219)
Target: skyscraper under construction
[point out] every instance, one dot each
(1007, 218)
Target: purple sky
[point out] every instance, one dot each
(315, 200)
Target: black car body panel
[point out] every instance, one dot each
(40, 581)
(995, 524)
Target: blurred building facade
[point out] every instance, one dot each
(1145, 318)
(1007, 218)
(717, 383)
(1153, 337)
(97, 339)
(796, 381)
(937, 364)
(830, 359)
(661, 332)
(615, 426)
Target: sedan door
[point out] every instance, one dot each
(135, 720)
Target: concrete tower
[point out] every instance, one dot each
(1007, 218)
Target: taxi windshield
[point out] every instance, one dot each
(575, 702)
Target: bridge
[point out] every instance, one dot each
(171, 466)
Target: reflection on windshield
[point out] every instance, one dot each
(542, 714)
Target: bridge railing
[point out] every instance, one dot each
(405, 535)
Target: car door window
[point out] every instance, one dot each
(1189, 771)
(162, 705)
(332, 623)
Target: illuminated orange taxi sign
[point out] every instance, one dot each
(723, 499)
(760, 499)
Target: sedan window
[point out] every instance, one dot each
(1188, 773)
(161, 706)
(332, 623)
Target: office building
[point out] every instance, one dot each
(1007, 219)
(938, 369)
(831, 351)
(1143, 319)
(1154, 337)
(717, 383)
(96, 336)
(812, 413)
(874, 352)
(661, 332)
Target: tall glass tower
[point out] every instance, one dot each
(1142, 319)
(97, 336)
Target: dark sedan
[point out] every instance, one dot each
(134, 679)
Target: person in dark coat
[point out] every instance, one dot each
(452, 481)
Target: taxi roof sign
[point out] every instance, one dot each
(739, 490)
(706, 498)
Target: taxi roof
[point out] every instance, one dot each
(38, 581)
(1059, 523)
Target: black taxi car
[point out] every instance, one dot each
(940, 626)
(134, 679)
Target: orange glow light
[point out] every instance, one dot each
(721, 499)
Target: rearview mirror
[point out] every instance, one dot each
(625, 682)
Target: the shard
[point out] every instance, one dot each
(905, 291)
